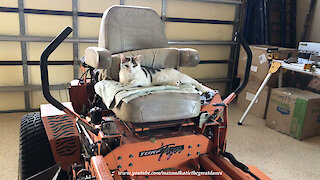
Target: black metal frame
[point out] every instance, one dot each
(248, 65)
(44, 67)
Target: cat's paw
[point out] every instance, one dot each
(174, 83)
(134, 83)
(178, 83)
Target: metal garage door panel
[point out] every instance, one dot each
(206, 71)
(210, 52)
(154, 4)
(9, 3)
(61, 5)
(189, 9)
(194, 31)
(11, 101)
(11, 75)
(9, 23)
(37, 97)
(10, 51)
(62, 53)
(89, 27)
(46, 25)
(57, 74)
(96, 6)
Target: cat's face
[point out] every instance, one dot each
(130, 64)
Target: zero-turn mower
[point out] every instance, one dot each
(162, 134)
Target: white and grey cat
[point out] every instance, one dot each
(132, 73)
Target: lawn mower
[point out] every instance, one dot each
(155, 135)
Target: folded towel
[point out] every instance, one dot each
(113, 92)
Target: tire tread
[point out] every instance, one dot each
(35, 150)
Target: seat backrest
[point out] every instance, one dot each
(156, 58)
(128, 28)
(137, 31)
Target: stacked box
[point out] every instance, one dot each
(246, 96)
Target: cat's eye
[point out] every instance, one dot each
(127, 65)
(134, 65)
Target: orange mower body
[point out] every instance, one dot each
(64, 143)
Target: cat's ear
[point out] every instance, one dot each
(122, 58)
(138, 59)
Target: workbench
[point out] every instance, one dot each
(294, 67)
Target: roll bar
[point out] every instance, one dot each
(249, 61)
(44, 67)
(243, 84)
(45, 80)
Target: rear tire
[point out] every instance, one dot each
(35, 150)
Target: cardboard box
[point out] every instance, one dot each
(245, 97)
(314, 85)
(294, 112)
(260, 64)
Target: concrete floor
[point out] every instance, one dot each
(277, 155)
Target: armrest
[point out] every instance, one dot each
(96, 57)
(189, 57)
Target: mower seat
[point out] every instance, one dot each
(139, 31)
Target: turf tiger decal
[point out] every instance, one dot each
(64, 139)
(66, 146)
(61, 126)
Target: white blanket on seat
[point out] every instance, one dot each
(113, 92)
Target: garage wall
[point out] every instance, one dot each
(315, 29)
(24, 34)
(302, 9)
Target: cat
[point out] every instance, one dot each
(132, 73)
